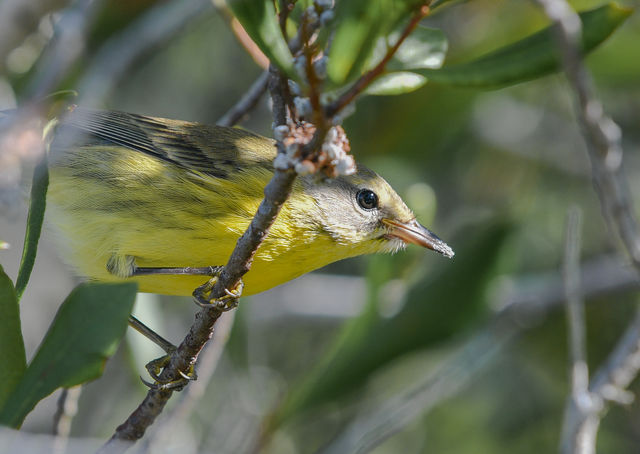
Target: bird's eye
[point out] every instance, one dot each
(367, 199)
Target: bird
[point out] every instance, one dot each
(160, 201)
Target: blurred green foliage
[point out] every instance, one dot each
(488, 156)
(85, 332)
(11, 342)
(424, 319)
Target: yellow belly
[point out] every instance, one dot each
(150, 211)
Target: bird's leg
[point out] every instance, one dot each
(202, 294)
(212, 271)
(150, 334)
(155, 366)
(202, 297)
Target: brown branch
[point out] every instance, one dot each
(207, 365)
(184, 358)
(252, 48)
(275, 194)
(361, 84)
(248, 101)
(241, 34)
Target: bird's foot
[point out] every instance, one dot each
(155, 368)
(202, 295)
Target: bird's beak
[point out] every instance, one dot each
(413, 232)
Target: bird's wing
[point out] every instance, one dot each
(213, 150)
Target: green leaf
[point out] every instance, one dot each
(423, 48)
(37, 206)
(396, 83)
(438, 3)
(259, 20)
(85, 332)
(531, 57)
(359, 23)
(435, 310)
(14, 361)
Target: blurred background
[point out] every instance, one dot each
(420, 353)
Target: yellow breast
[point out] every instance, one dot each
(113, 202)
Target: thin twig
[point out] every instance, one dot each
(621, 367)
(207, 364)
(248, 101)
(580, 404)
(65, 411)
(363, 82)
(275, 194)
(609, 385)
(603, 141)
(575, 305)
(241, 34)
(370, 428)
(518, 314)
(184, 358)
(601, 134)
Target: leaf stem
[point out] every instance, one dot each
(366, 79)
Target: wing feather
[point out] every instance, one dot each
(213, 150)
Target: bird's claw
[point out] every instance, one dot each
(154, 368)
(202, 296)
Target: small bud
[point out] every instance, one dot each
(332, 150)
(281, 162)
(324, 4)
(303, 106)
(326, 17)
(300, 65)
(294, 88)
(332, 135)
(280, 132)
(320, 67)
(312, 16)
(292, 149)
(305, 167)
(346, 166)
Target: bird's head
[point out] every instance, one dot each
(363, 213)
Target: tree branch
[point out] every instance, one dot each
(275, 194)
(602, 137)
(207, 364)
(185, 357)
(581, 403)
(247, 102)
